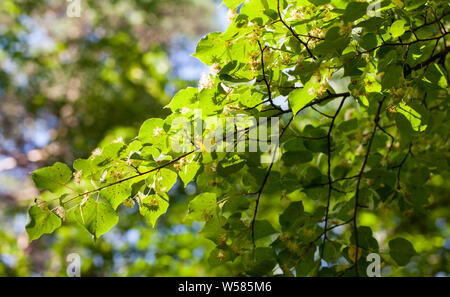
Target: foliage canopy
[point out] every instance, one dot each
(364, 131)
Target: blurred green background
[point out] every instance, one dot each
(68, 85)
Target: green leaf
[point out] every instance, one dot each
(403, 125)
(83, 165)
(300, 97)
(260, 261)
(188, 172)
(291, 214)
(232, 3)
(109, 154)
(391, 77)
(52, 178)
(214, 231)
(232, 81)
(263, 228)
(401, 250)
(365, 238)
(97, 217)
(153, 206)
(151, 131)
(231, 164)
(331, 252)
(42, 221)
(203, 207)
(319, 2)
(307, 265)
(397, 28)
(117, 193)
(183, 98)
(297, 157)
(163, 180)
(354, 11)
(414, 118)
(210, 48)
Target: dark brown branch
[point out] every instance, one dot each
(430, 60)
(293, 32)
(264, 77)
(266, 177)
(129, 178)
(330, 188)
(358, 183)
(399, 166)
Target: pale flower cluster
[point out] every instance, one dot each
(157, 131)
(206, 82)
(231, 14)
(96, 152)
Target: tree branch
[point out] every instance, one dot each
(293, 32)
(264, 77)
(358, 182)
(329, 175)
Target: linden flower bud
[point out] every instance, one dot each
(317, 32)
(153, 202)
(231, 14)
(157, 131)
(329, 6)
(222, 239)
(128, 203)
(316, 77)
(269, 27)
(140, 196)
(182, 161)
(185, 110)
(291, 245)
(349, 114)
(215, 68)
(298, 15)
(227, 110)
(254, 65)
(40, 203)
(360, 150)
(286, 60)
(129, 161)
(85, 199)
(118, 140)
(77, 176)
(206, 82)
(389, 144)
(60, 212)
(96, 152)
(312, 91)
(344, 29)
(392, 109)
(322, 89)
(300, 61)
(220, 255)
